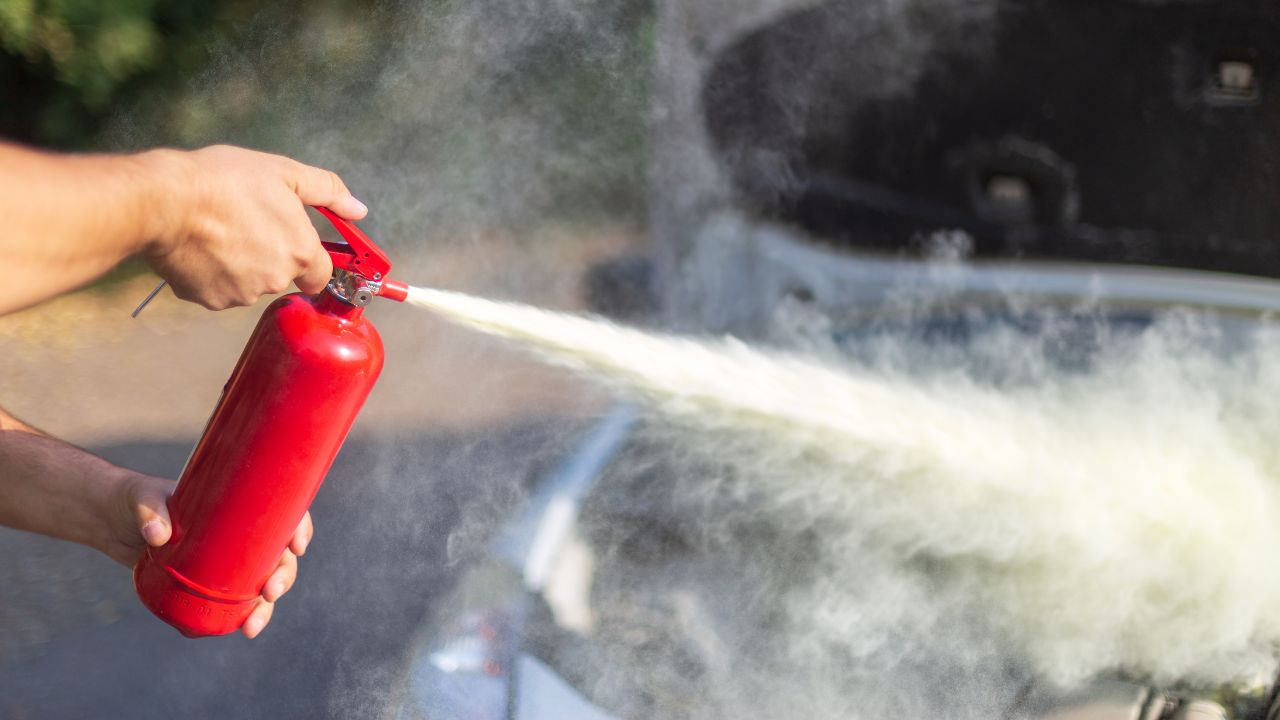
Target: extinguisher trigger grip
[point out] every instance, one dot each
(359, 255)
(360, 268)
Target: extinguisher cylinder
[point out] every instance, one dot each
(282, 417)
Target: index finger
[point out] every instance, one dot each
(317, 186)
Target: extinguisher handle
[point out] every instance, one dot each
(359, 255)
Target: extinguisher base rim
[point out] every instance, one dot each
(176, 602)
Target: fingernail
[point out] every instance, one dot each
(153, 532)
(353, 207)
(253, 626)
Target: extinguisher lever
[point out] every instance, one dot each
(360, 257)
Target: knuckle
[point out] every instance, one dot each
(294, 174)
(304, 256)
(335, 183)
(221, 149)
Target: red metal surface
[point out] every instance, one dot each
(394, 290)
(283, 415)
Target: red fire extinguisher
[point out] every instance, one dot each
(291, 399)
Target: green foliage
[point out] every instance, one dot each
(90, 46)
(65, 63)
(69, 66)
(478, 108)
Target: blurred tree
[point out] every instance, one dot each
(490, 109)
(66, 64)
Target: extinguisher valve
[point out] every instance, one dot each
(353, 289)
(359, 266)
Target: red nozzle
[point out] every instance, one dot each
(394, 290)
(362, 257)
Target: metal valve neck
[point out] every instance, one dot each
(352, 288)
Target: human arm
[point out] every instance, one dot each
(53, 488)
(223, 225)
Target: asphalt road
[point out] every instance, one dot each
(397, 519)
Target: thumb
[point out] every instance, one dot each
(151, 512)
(316, 186)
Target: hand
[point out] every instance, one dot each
(138, 517)
(233, 226)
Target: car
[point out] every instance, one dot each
(827, 175)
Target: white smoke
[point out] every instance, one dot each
(984, 510)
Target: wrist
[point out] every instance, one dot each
(166, 199)
(104, 499)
